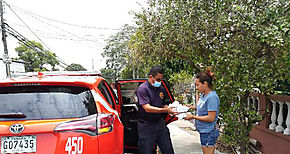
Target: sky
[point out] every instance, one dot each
(75, 30)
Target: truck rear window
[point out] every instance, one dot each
(47, 102)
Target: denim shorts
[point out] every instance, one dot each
(209, 139)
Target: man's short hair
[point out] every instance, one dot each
(154, 70)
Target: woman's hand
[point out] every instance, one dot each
(191, 106)
(189, 117)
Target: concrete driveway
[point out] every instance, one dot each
(184, 139)
(184, 142)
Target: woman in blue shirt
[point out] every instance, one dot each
(207, 111)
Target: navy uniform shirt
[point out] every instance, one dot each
(148, 94)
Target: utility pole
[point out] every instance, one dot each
(6, 59)
(93, 68)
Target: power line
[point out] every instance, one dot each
(81, 38)
(34, 33)
(52, 34)
(70, 24)
(64, 37)
(37, 30)
(27, 42)
(70, 36)
(27, 26)
(70, 33)
(60, 60)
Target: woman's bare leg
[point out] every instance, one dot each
(208, 150)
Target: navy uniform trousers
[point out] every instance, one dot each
(151, 133)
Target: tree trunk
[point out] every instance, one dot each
(244, 122)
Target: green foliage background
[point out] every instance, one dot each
(36, 57)
(75, 67)
(245, 42)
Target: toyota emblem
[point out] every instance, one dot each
(16, 128)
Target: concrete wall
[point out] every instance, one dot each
(2, 70)
(14, 67)
(271, 142)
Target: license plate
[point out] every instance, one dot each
(18, 144)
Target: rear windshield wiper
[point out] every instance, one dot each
(12, 115)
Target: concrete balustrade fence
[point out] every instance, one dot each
(273, 132)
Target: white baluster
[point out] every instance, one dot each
(253, 103)
(248, 107)
(287, 130)
(258, 107)
(280, 128)
(258, 104)
(273, 116)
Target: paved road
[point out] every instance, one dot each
(184, 139)
(184, 142)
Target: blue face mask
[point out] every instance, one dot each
(157, 84)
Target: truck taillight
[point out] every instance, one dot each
(87, 124)
(95, 124)
(105, 123)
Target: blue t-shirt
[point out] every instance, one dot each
(210, 102)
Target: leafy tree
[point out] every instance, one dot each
(38, 59)
(117, 52)
(108, 74)
(75, 67)
(246, 43)
(182, 82)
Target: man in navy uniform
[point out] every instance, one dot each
(151, 127)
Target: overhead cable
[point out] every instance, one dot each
(52, 34)
(27, 26)
(40, 20)
(27, 42)
(81, 26)
(68, 32)
(34, 33)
